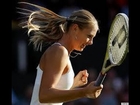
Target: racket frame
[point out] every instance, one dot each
(104, 69)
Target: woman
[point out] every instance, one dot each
(55, 81)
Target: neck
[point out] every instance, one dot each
(67, 43)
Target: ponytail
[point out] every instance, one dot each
(45, 25)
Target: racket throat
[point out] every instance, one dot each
(107, 66)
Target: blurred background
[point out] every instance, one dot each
(25, 59)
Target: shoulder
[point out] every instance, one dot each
(57, 51)
(54, 55)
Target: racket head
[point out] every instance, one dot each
(118, 40)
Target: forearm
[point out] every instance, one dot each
(56, 96)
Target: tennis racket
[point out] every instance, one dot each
(117, 45)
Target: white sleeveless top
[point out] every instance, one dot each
(65, 83)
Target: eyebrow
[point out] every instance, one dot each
(91, 35)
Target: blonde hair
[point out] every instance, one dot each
(48, 27)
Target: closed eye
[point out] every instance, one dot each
(90, 36)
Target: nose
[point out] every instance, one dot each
(90, 42)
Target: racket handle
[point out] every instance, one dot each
(100, 79)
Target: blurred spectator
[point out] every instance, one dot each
(116, 81)
(123, 95)
(27, 95)
(84, 101)
(15, 99)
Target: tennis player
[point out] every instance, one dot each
(55, 81)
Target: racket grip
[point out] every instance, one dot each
(100, 79)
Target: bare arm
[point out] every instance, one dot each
(53, 66)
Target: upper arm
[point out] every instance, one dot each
(54, 63)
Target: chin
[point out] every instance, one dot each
(80, 50)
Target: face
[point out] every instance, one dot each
(84, 38)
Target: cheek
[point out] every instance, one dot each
(83, 40)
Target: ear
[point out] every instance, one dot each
(75, 27)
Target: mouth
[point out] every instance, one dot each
(83, 46)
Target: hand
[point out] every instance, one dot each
(80, 79)
(93, 91)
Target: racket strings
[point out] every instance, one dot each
(117, 52)
(118, 40)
